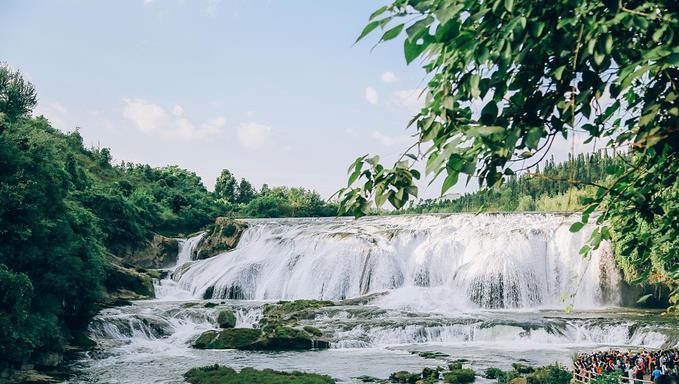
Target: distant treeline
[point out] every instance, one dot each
(556, 187)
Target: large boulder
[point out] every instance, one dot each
(226, 319)
(157, 252)
(232, 338)
(280, 339)
(123, 284)
(220, 237)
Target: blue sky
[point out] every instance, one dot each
(275, 91)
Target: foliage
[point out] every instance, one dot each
(459, 376)
(551, 374)
(225, 375)
(289, 202)
(404, 377)
(506, 78)
(492, 373)
(46, 236)
(17, 96)
(225, 187)
(544, 190)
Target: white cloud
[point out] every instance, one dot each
(147, 2)
(390, 141)
(211, 7)
(154, 120)
(389, 77)
(408, 99)
(253, 135)
(371, 95)
(177, 110)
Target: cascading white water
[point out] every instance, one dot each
(474, 287)
(426, 262)
(166, 289)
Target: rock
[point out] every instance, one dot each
(226, 319)
(220, 237)
(123, 284)
(158, 252)
(518, 380)
(312, 330)
(279, 339)
(286, 339)
(48, 359)
(233, 338)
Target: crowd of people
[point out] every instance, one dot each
(660, 367)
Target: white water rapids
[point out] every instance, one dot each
(487, 288)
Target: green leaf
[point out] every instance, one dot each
(368, 28)
(484, 130)
(474, 85)
(378, 12)
(392, 33)
(644, 298)
(576, 226)
(509, 5)
(450, 181)
(489, 113)
(559, 72)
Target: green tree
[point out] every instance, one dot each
(225, 187)
(245, 192)
(507, 77)
(17, 96)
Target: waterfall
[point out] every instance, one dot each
(166, 289)
(423, 262)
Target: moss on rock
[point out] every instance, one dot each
(226, 319)
(233, 338)
(157, 252)
(220, 237)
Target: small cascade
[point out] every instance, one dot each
(167, 289)
(449, 263)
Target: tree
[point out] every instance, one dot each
(245, 192)
(507, 77)
(225, 187)
(17, 96)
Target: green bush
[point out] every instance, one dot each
(551, 374)
(459, 376)
(522, 368)
(492, 373)
(404, 377)
(224, 375)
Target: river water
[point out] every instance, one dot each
(491, 289)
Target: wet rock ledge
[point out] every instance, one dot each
(279, 329)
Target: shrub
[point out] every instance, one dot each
(459, 376)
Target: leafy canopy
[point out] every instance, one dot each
(507, 77)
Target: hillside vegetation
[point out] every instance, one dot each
(66, 212)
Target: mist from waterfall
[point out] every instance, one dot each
(424, 262)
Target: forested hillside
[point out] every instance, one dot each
(66, 211)
(556, 187)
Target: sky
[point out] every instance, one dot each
(276, 91)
